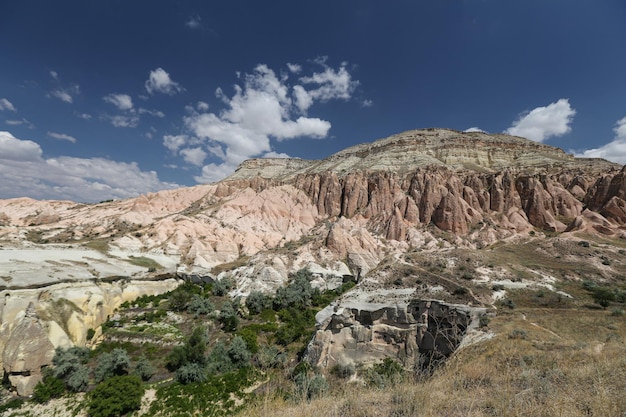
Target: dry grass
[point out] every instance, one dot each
(540, 363)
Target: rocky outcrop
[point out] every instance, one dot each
(33, 322)
(417, 333)
(28, 350)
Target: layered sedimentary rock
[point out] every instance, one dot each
(416, 333)
(338, 216)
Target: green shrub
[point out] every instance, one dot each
(199, 305)
(310, 388)
(116, 396)
(144, 369)
(69, 366)
(384, 374)
(221, 287)
(115, 363)
(460, 291)
(257, 302)
(250, 337)
(49, 387)
(343, 370)
(228, 317)
(297, 293)
(238, 352)
(270, 357)
(78, 380)
(219, 361)
(483, 320)
(90, 334)
(191, 372)
(603, 296)
(191, 352)
(518, 334)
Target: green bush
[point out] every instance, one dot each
(310, 388)
(270, 357)
(200, 305)
(343, 371)
(78, 380)
(228, 317)
(193, 351)
(219, 361)
(49, 387)
(69, 366)
(384, 374)
(238, 352)
(603, 296)
(250, 337)
(257, 302)
(191, 372)
(221, 287)
(144, 369)
(298, 293)
(90, 334)
(115, 363)
(116, 396)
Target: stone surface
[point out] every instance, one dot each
(27, 351)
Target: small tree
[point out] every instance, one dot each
(69, 366)
(116, 396)
(78, 380)
(228, 317)
(222, 286)
(191, 372)
(111, 364)
(257, 302)
(144, 369)
(238, 352)
(49, 387)
(191, 352)
(603, 296)
(200, 305)
(219, 360)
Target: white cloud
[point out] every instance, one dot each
(121, 101)
(54, 75)
(295, 68)
(202, 106)
(615, 150)
(215, 172)
(174, 143)
(264, 107)
(474, 129)
(194, 156)
(544, 122)
(160, 82)
(367, 103)
(12, 149)
(276, 155)
(332, 83)
(24, 172)
(155, 113)
(20, 122)
(83, 116)
(62, 136)
(6, 105)
(66, 94)
(194, 22)
(120, 120)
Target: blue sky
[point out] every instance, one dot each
(112, 99)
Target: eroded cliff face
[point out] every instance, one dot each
(416, 333)
(424, 190)
(34, 322)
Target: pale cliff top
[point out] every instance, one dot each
(407, 151)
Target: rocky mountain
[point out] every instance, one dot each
(384, 214)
